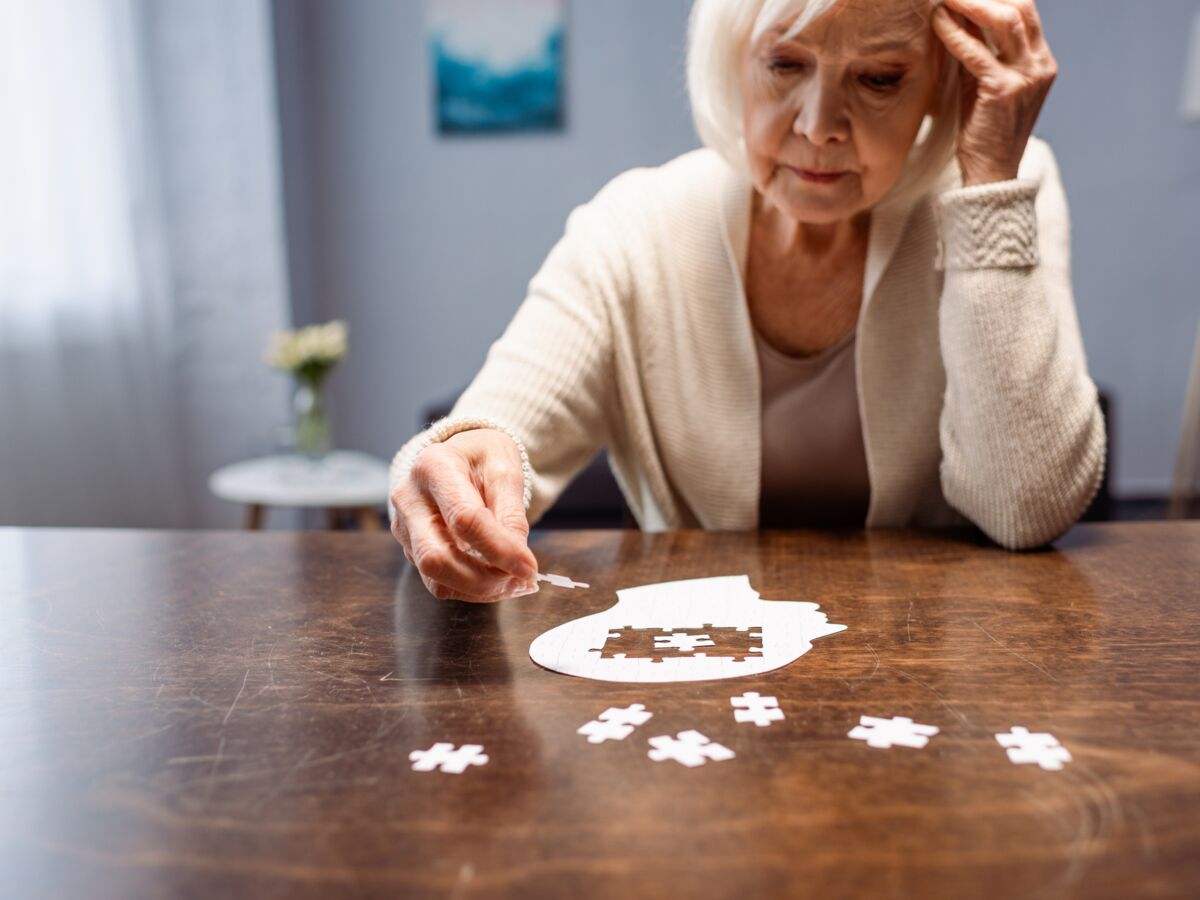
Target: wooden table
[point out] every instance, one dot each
(227, 714)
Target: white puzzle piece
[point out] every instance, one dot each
(897, 731)
(615, 724)
(1036, 747)
(750, 707)
(446, 759)
(561, 581)
(688, 748)
(698, 629)
(556, 580)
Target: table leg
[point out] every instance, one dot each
(254, 516)
(368, 519)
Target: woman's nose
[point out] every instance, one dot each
(821, 117)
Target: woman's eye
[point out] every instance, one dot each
(881, 82)
(784, 65)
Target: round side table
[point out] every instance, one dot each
(342, 480)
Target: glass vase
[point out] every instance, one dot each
(314, 434)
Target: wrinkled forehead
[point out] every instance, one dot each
(847, 26)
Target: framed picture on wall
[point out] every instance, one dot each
(497, 64)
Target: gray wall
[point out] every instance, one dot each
(426, 245)
(1131, 168)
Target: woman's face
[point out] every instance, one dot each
(846, 98)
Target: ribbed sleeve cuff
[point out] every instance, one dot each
(441, 430)
(988, 226)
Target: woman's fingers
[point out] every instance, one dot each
(460, 517)
(470, 523)
(504, 494)
(454, 573)
(1002, 21)
(1033, 21)
(444, 592)
(1007, 72)
(420, 531)
(968, 49)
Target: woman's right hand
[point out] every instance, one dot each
(465, 494)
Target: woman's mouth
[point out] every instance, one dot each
(820, 176)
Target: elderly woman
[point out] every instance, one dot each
(852, 306)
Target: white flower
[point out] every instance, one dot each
(316, 346)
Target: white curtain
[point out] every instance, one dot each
(141, 257)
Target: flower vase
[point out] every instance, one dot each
(314, 434)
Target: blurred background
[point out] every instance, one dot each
(181, 179)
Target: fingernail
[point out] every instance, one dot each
(516, 587)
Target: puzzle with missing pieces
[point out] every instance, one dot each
(696, 629)
(658, 644)
(699, 629)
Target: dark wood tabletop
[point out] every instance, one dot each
(217, 714)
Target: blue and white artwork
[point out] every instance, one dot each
(498, 64)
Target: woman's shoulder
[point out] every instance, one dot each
(688, 182)
(650, 221)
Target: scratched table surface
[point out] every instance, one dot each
(229, 714)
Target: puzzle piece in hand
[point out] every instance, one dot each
(688, 748)
(615, 724)
(896, 731)
(1037, 747)
(561, 581)
(750, 707)
(556, 580)
(446, 759)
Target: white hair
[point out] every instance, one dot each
(718, 30)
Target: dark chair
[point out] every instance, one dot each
(1101, 508)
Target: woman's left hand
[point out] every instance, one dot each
(1003, 91)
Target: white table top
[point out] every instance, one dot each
(344, 478)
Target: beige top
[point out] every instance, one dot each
(634, 335)
(814, 466)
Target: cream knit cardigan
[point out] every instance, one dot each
(635, 335)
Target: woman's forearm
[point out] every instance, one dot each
(1021, 430)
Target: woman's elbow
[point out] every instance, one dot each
(1034, 513)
